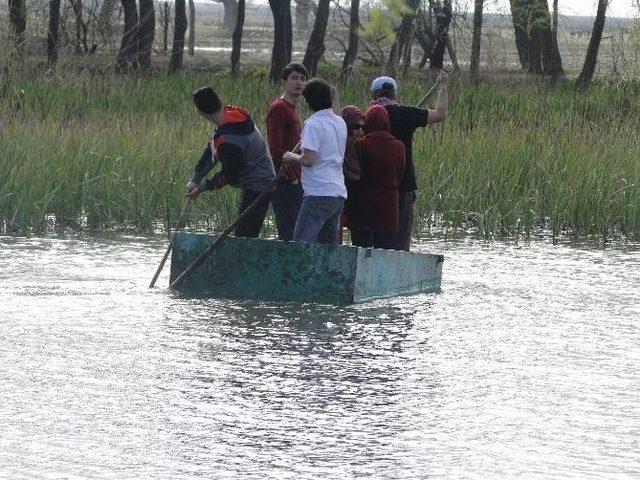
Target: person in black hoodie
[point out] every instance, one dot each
(405, 120)
(239, 147)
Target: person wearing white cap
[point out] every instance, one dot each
(405, 120)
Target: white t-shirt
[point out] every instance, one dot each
(326, 134)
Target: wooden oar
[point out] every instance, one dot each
(179, 225)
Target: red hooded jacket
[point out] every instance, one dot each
(374, 205)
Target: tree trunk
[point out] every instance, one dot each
(54, 29)
(523, 43)
(303, 10)
(236, 39)
(191, 40)
(406, 55)
(81, 28)
(474, 69)
(589, 67)
(165, 27)
(537, 47)
(18, 20)
(443, 19)
(424, 36)
(551, 60)
(402, 39)
(180, 27)
(316, 47)
(126, 56)
(282, 37)
(352, 49)
(146, 33)
(554, 26)
(230, 14)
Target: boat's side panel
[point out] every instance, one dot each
(387, 273)
(269, 270)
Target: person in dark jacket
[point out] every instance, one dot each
(239, 147)
(405, 120)
(374, 215)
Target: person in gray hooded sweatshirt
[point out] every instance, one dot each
(243, 155)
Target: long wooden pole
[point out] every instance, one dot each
(179, 225)
(426, 95)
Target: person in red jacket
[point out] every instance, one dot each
(374, 216)
(283, 132)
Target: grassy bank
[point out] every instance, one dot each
(514, 158)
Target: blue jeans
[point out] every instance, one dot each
(318, 220)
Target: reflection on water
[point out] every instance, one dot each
(526, 366)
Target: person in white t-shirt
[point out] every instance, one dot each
(323, 141)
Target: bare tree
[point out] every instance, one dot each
(180, 27)
(146, 33)
(474, 68)
(536, 43)
(81, 45)
(128, 48)
(551, 60)
(282, 37)
(236, 39)
(316, 47)
(53, 33)
(403, 39)
(165, 17)
(18, 20)
(191, 39)
(523, 43)
(443, 12)
(589, 67)
(352, 49)
(554, 26)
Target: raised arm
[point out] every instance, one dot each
(442, 104)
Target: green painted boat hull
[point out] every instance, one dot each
(259, 269)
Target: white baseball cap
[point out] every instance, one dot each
(382, 83)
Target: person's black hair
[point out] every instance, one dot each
(206, 100)
(317, 93)
(294, 67)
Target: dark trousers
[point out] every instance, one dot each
(402, 239)
(250, 225)
(286, 201)
(368, 239)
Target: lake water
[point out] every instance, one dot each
(527, 365)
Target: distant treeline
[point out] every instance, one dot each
(386, 34)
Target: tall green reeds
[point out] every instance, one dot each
(514, 158)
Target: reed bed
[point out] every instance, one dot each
(515, 158)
